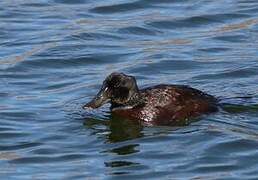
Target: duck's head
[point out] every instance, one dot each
(118, 88)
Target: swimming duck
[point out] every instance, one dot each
(163, 104)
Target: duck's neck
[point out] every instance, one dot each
(135, 100)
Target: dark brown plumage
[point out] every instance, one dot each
(158, 105)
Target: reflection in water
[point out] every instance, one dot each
(8, 155)
(238, 108)
(127, 149)
(119, 163)
(118, 129)
(244, 104)
(23, 56)
(241, 25)
(123, 129)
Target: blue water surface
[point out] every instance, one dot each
(55, 54)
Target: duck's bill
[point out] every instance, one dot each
(95, 103)
(100, 99)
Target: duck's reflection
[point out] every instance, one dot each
(122, 129)
(115, 128)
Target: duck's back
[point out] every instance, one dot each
(170, 104)
(162, 95)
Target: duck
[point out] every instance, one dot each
(162, 104)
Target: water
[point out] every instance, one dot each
(55, 54)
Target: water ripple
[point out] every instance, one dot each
(118, 8)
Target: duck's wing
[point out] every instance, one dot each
(173, 102)
(175, 94)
